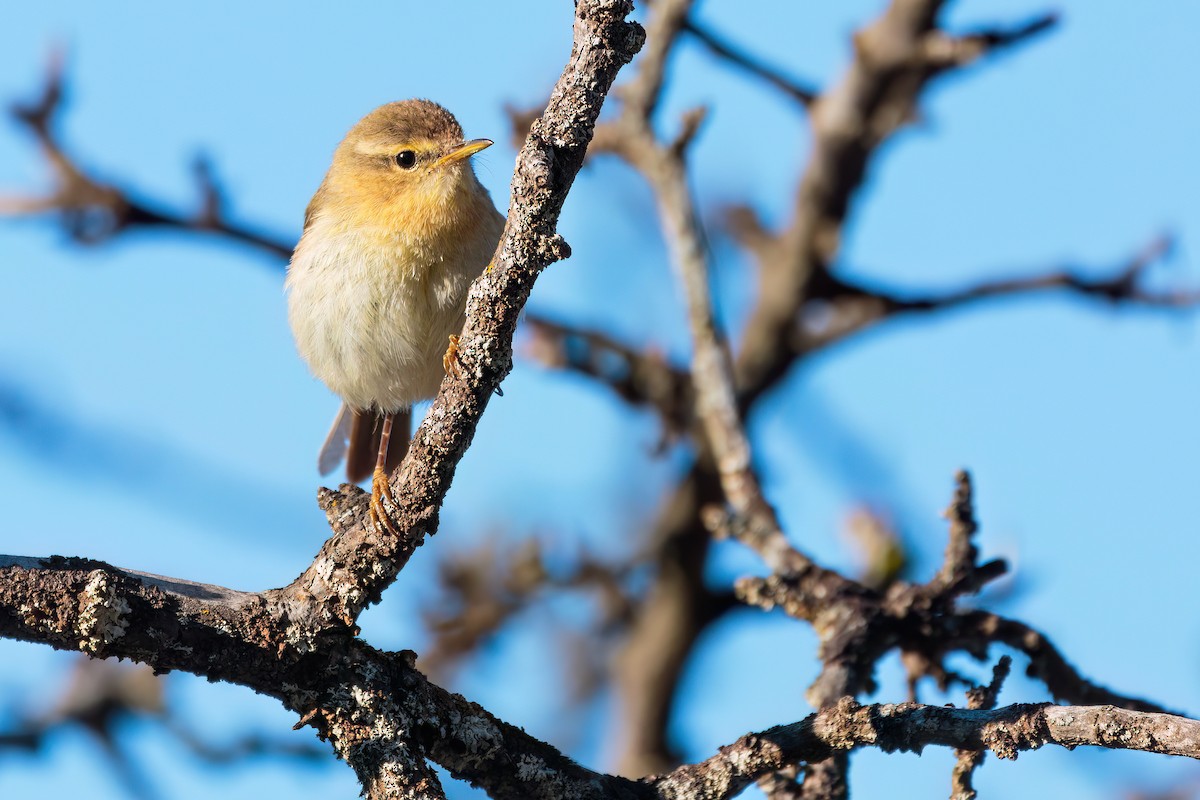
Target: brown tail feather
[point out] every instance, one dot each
(401, 433)
(363, 451)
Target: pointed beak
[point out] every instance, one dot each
(464, 150)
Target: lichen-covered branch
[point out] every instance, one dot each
(910, 727)
(385, 718)
(378, 712)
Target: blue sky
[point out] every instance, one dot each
(185, 428)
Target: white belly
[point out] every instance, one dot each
(373, 320)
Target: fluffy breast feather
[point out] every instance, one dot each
(375, 291)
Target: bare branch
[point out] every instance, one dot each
(639, 377)
(876, 96)
(943, 51)
(840, 309)
(1046, 663)
(755, 66)
(483, 588)
(712, 376)
(1123, 285)
(380, 714)
(911, 727)
(960, 573)
(803, 589)
(640, 96)
(359, 698)
(90, 210)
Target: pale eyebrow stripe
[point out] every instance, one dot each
(381, 149)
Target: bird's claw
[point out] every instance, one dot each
(450, 362)
(382, 490)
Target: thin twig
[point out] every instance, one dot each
(738, 57)
(91, 210)
(967, 761)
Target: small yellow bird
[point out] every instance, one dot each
(377, 286)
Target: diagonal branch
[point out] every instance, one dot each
(664, 168)
(943, 51)
(1046, 663)
(876, 96)
(358, 562)
(749, 63)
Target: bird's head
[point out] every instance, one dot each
(408, 163)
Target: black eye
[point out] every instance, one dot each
(406, 159)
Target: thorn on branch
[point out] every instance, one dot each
(307, 718)
(1125, 283)
(554, 248)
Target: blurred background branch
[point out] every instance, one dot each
(103, 697)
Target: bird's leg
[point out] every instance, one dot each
(450, 361)
(380, 488)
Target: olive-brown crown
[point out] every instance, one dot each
(407, 121)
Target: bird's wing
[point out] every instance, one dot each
(317, 199)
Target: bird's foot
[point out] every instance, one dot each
(381, 490)
(450, 361)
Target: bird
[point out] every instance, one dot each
(377, 285)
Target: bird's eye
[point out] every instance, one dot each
(406, 159)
